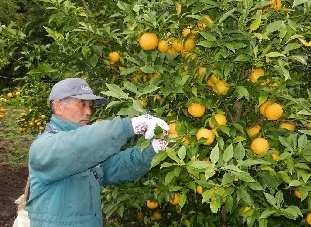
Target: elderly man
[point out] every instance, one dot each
(71, 159)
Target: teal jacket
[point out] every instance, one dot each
(69, 162)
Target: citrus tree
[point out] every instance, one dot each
(232, 80)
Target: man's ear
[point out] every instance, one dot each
(57, 107)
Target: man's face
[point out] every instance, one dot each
(74, 110)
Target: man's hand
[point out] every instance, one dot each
(146, 124)
(159, 144)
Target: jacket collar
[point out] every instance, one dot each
(64, 125)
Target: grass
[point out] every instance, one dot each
(13, 144)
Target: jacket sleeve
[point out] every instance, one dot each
(54, 157)
(127, 165)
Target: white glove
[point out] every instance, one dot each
(145, 125)
(159, 144)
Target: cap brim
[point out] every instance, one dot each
(95, 98)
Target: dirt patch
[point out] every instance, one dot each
(12, 183)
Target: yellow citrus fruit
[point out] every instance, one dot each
(41, 128)
(262, 108)
(201, 23)
(114, 57)
(199, 189)
(196, 110)
(172, 130)
(276, 4)
(163, 46)
(140, 215)
(246, 209)
(206, 133)
(156, 216)
(148, 41)
(144, 103)
(1, 116)
(254, 130)
(288, 125)
(152, 205)
(255, 74)
(42, 116)
(10, 95)
(275, 156)
(260, 145)
(221, 87)
(297, 193)
(189, 44)
(175, 200)
(185, 140)
(177, 45)
(308, 218)
(214, 79)
(2, 110)
(17, 93)
(273, 111)
(201, 70)
(171, 51)
(186, 31)
(220, 119)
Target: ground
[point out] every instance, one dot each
(13, 179)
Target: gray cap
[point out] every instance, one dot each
(75, 88)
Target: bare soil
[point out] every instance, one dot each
(13, 179)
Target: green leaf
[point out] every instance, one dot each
(169, 177)
(148, 69)
(255, 24)
(172, 154)
(295, 183)
(182, 153)
(149, 89)
(270, 199)
(267, 213)
(300, 59)
(116, 92)
(274, 26)
(255, 186)
(215, 205)
(182, 200)
(226, 15)
(242, 58)
(137, 105)
(215, 154)
(209, 172)
(159, 157)
(299, 2)
(128, 71)
(131, 87)
(284, 176)
(302, 141)
(200, 165)
(242, 92)
(239, 152)
(274, 54)
(291, 212)
(208, 36)
(245, 196)
(244, 176)
(285, 143)
(228, 153)
(252, 162)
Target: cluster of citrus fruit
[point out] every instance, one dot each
(197, 110)
(27, 122)
(3, 102)
(219, 86)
